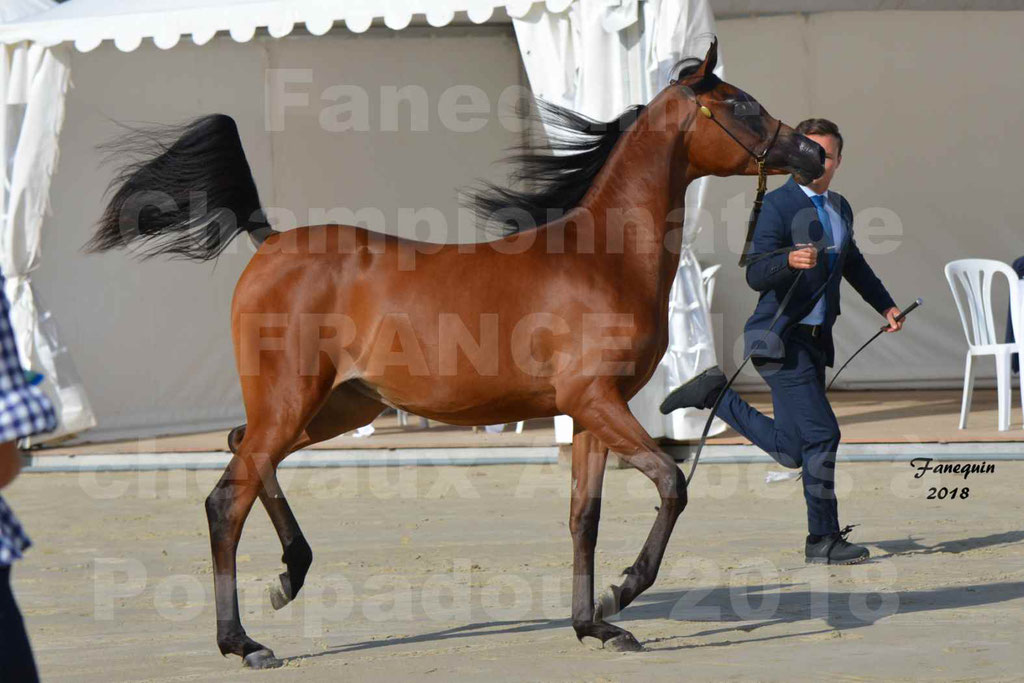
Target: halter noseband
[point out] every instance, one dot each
(762, 176)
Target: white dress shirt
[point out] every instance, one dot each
(817, 314)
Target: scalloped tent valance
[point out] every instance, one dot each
(87, 23)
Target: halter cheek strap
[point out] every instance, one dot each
(762, 176)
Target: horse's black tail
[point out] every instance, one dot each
(185, 191)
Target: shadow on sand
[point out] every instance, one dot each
(742, 609)
(911, 546)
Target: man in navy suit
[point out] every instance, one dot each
(791, 356)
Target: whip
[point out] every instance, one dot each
(782, 306)
(899, 318)
(772, 477)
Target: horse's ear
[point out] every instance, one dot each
(710, 60)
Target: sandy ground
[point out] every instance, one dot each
(464, 574)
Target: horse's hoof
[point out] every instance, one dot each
(278, 597)
(624, 642)
(262, 659)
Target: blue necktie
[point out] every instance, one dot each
(819, 203)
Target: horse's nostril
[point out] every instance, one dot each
(821, 155)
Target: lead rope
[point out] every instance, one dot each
(714, 408)
(745, 259)
(755, 211)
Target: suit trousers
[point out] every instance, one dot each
(804, 432)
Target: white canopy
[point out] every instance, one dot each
(127, 22)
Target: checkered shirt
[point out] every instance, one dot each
(13, 539)
(24, 410)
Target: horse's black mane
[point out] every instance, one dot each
(555, 175)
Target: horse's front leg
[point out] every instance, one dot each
(588, 462)
(606, 415)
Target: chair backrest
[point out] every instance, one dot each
(973, 297)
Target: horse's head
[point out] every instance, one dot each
(729, 130)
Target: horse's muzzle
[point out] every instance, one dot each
(797, 154)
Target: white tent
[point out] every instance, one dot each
(33, 83)
(601, 63)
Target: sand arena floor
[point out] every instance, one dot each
(449, 573)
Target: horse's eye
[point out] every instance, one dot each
(746, 109)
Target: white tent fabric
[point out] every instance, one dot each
(13, 10)
(128, 22)
(33, 83)
(598, 58)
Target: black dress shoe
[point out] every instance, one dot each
(699, 392)
(835, 549)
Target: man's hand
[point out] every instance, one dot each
(891, 316)
(803, 259)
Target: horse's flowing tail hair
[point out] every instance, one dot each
(184, 191)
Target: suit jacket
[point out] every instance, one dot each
(788, 217)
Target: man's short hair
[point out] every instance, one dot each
(820, 127)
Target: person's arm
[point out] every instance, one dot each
(10, 463)
(859, 274)
(778, 270)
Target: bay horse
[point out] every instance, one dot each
(576, 328)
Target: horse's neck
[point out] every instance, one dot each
(636, 204)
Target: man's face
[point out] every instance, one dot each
(830, 144)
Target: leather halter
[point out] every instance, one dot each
(762, 175)
(745, 260)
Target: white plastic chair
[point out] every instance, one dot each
(974, 302)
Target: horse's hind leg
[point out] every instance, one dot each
(227, 506)
(345, 410)
(297, 555)
(606, 415)
(278, 411)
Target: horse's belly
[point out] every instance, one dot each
(463, 402)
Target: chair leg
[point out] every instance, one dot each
(1003, 389)
(1020, 383)
(965, 404)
